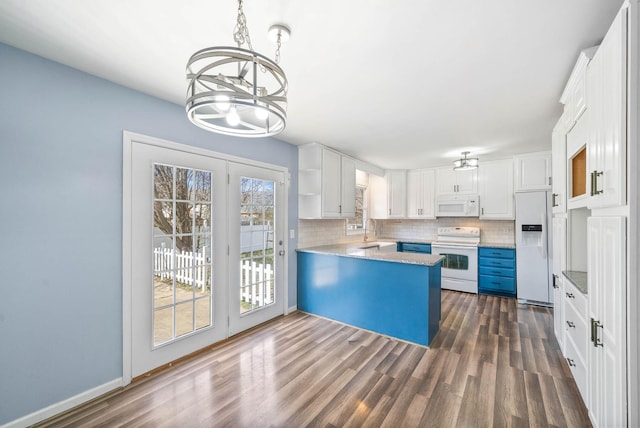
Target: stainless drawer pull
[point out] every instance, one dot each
(570, 295)
(571, 362)
(570, 324)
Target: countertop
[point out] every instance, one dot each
(497, 244)
(577, 278)
(354, 249)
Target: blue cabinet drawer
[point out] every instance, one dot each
(503, 263)
(501, 253)
(410, 247)
(497, 271)
(496, 283)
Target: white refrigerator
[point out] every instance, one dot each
(533, 245)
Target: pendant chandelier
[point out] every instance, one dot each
(237, 91)
(465, 163)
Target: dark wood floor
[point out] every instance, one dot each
(493, 363)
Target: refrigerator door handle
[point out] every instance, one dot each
(543, 247)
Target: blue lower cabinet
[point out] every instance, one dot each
(396, 299)
(497, 271)
(412, 247)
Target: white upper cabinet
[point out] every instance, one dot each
(327, 182)
(388, 196)
(574, 96)
(449, 181)
(606, 146)
(421, 193)
(495, 182)
(396, 193)
(533, 171)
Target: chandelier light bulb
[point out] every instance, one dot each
(233, 118)
(222, 101)
(262, 114)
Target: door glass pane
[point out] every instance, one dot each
(182, 251)
(257, 214)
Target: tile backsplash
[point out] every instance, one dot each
(498, 231)
(324, 232)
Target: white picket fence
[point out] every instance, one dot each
(256, 279)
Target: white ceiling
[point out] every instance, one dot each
(400, 84)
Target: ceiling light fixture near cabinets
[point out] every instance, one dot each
(237, 91)
(465, 163)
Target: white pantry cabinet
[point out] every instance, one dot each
(533, 171)
(607, 397)
(495, 183)
(327, 183)
(389, 195)
(421, 193)
(606, 145)
(450, 181)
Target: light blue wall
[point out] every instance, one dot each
(61, 216)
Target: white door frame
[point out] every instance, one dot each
(128, 139)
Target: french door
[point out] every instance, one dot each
(256, 245)
(203, 251)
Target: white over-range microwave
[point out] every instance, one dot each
(458, 206)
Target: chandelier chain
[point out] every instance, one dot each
(241, 32)
(278, 44)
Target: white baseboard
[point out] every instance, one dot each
(64, 405)
(291, 309)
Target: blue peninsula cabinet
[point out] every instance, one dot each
(392, 297)
(497, 271)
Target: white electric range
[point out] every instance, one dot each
(459, 246)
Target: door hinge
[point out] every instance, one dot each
(228, 250)
(228, 178)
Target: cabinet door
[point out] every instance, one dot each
(559, 168)
(496, 190)
(559, 263)
(606, 147)
(428, 193)
(467, 181)
(533, 171)
(445, 180)
(607, 298)
(414, 194)
(397, 193)
(421, 193)
(348, 187)
(330, 183)
(378, 203)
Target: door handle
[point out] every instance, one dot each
(571, 325)
(554, 196)
(570, 295)
(281, 252)
(571, 362)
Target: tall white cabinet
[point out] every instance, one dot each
(592, 190)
